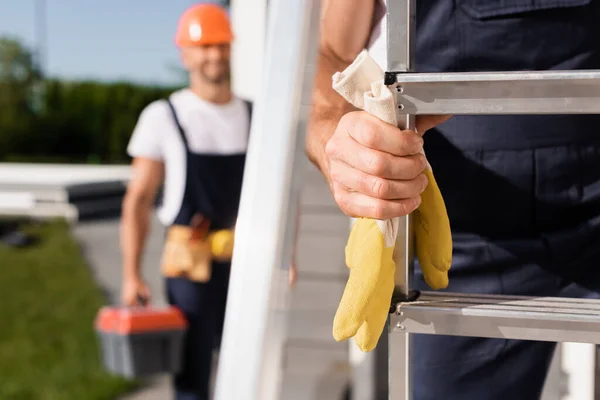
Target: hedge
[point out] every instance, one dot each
(76, 122)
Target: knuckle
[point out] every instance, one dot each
(345, 205)
(409, 205)
(405, 207)
(379, 209)
(377, 165)
(334, 173)
(402, 209)
(380, 188)
(338, 177)
(355, 117)
(335, 177)
(404, 140)
(417, 165)
(349, 117)
(422, 161)
(424, 182)
(340, 197)
(331, 148)
(414, 187)
(410, 142)
(366, 134)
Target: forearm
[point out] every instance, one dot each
(134, 230)
(345, 28)
(328, 107)
(296, 231)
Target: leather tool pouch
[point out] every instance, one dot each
(187, 253)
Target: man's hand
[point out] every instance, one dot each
(293, 275)
(375, 170)
(134, 291)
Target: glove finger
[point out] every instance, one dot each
(370, 331)
(350, 314)
(360, 339)
(366, 254)
(433, 236)
(434, 278)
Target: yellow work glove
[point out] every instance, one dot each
(365, 303)
(221, 243)
(366, 300)
(433, 238)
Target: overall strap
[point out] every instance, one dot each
(190, 196)
(249, 108)
(179, 127)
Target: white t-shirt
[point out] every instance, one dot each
(377, 45)
(210, 128)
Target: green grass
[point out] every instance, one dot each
(48, 302)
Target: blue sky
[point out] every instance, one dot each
(107, 39)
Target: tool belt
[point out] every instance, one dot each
(189, 252)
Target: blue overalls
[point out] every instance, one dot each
(522, 192)
(213, 187)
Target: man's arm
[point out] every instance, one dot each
(137, 207)
(373, 168)
(344, 32)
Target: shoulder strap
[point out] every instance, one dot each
(176, 120)
(249, 107)
(190, 185)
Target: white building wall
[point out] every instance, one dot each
(249, 19)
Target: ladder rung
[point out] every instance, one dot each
(490, 93)
(553, 319)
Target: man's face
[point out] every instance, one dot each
(210, 62)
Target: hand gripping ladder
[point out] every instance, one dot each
(255, 325)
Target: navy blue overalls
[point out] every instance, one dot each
(522, 192)
(213, 187)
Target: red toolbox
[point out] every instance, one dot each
(141, 341)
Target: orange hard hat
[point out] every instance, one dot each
(203, 24)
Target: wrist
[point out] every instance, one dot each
(320, 131)
(132, 274)
(316, 154)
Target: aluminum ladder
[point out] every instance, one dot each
(250, 366)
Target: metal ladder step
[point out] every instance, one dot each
(552, 319)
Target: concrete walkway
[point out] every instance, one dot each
(99, 240)
(316, 367)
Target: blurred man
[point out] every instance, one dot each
(195, 143)
(522, 192)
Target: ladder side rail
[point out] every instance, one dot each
(400, 42)
(250, 364)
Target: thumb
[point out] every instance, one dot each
(424, 123)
